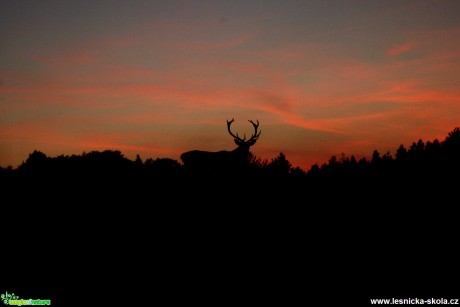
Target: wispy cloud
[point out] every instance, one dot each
(400, 49)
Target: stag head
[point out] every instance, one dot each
(242, 142)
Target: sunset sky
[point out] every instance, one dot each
(157, 78)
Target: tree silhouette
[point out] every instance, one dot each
(430, 161)
(279, 166)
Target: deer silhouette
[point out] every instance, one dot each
(214, 162)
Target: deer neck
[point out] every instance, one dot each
(241, 150)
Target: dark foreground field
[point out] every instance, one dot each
(233, 241)
(341, 234)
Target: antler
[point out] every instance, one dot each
(240, 141)
(256, 135)
(237, 138)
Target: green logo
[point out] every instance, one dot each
(11, 299)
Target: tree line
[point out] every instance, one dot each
(431, 158)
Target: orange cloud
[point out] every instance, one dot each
(400, 49)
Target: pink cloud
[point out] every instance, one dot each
(400, 49)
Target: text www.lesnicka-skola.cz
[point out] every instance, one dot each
(414, 301)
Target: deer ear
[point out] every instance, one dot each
(237, 142)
